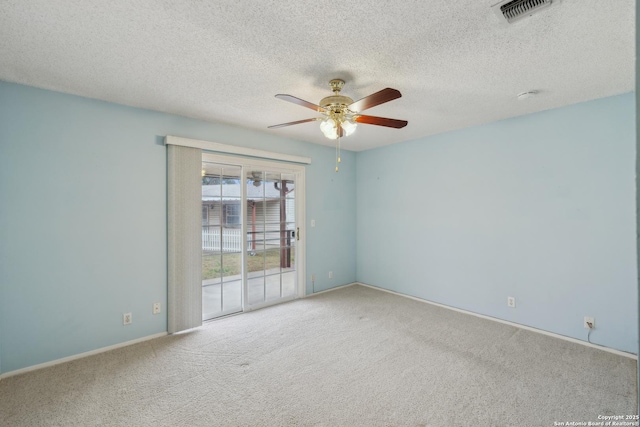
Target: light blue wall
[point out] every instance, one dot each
(83, 219)
(539, 207)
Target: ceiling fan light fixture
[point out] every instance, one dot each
(348, 126)
(329, 128)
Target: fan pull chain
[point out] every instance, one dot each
(337, 153)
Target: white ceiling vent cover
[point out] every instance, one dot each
(510, 11)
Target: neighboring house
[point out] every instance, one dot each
(270, 214)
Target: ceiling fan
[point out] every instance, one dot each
(340, 114)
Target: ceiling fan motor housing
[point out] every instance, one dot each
(340, 101)
(336, 103)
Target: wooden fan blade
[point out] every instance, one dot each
(385, 95)
(299, 101)
(381, 121)
(294, 123)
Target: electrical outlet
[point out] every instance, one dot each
(313, 223)
(589, 322)
(156, 308)
(126, 319)
(331, 275)
(511, 302)
(313, 277)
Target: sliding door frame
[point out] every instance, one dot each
(298, 171)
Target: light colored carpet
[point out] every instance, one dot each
(351, 357)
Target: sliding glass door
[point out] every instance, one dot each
(271, 234)
(250, 235)
(222, 237)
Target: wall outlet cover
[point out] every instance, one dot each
(588, 320)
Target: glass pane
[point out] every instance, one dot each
(255, 175)
(272, 230)
(231, 182)
(291, 229)
(272, 180)
(255, 264)
(211, 184)
(232, 239)
(288, 180)
(288, 255)
(213, 171)
(272, 287)
(213, 213)
(290, 210)
(272, 188)
(280, 238)
(211, 240)
(272, 261)
(272, 211)
(231, 212)
(288, 284)
(256, 290)
(255, 240)
(211, 267)
(255, 185)
(211, 301)
(232, 296)
(255, 193)
(288, 237)
(272, 243)
(255, 214)
(231, 266)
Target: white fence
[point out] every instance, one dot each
(231, 239)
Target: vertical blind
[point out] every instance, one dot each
(184, 198)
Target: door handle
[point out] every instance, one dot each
(298, 233)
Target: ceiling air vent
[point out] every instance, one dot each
(511, 11)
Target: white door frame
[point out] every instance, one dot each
(280, 167)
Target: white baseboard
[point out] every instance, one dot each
(506, 322)
(79, 356)
(333, 289)
(459, 310)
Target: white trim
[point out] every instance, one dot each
(334, 289)
(233, 149)
(79, 356)
(506, 322)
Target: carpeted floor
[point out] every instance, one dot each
(351, 357)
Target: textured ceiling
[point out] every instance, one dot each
(223, 61)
